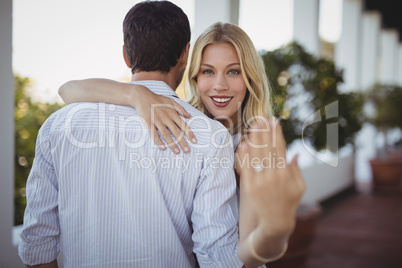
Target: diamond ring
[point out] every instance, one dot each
(258, 168)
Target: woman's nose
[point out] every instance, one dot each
(221, 82)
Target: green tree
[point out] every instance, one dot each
(29, 117)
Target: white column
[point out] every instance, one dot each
(371, 24)
(305, 24)
(208, 12)
(348, 47)
(8, 252)
(369, 52)
(388, 56)
(399, 65)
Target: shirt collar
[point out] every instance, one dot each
(157, 87)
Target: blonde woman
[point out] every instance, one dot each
(226, 82)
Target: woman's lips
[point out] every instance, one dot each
(221, 101)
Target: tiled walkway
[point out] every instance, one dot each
(359, 229)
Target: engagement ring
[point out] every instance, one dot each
(258, 168)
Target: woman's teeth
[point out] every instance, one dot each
(221, 100)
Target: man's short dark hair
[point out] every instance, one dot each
(155, 34)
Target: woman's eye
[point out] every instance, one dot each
(207, 71)
(234, 72)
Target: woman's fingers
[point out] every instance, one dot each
(178, 128)
(179, 136)
(165, 133)
(265, 139)
(272, 186)
(165, 118)
(279, 141)
(155, 135)
(180, 110)
(158, 131)
(168, 128)
(182, 125)
(296, 173)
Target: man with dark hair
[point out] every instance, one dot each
(101, 190)
(151, 43)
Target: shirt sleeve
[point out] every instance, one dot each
(215, 229)
(41, 231)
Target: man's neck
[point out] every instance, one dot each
(169, 78)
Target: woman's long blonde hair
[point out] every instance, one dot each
(257, 101)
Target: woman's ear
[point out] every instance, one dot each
(126, 59)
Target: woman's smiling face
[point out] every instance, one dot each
(220, 82)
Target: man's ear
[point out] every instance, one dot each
(184, 54)
(126, 59)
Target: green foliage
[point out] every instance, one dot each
(386, 101)
(29, 117)
(302, 85)
(386, 112)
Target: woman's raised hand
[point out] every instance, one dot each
(162, 114)
(273, 186)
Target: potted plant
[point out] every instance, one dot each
(386, 115)
(303, 84)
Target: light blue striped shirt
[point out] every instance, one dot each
(104, 192)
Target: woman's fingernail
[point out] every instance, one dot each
(176, 150)
(194, 140)
(186, 149)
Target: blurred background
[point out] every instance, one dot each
(336, 70)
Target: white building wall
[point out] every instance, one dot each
(323, 181)
(371, 24)
(305, 24)
(8, 252)
(347, 49)
(208, 12)
(388, 56)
